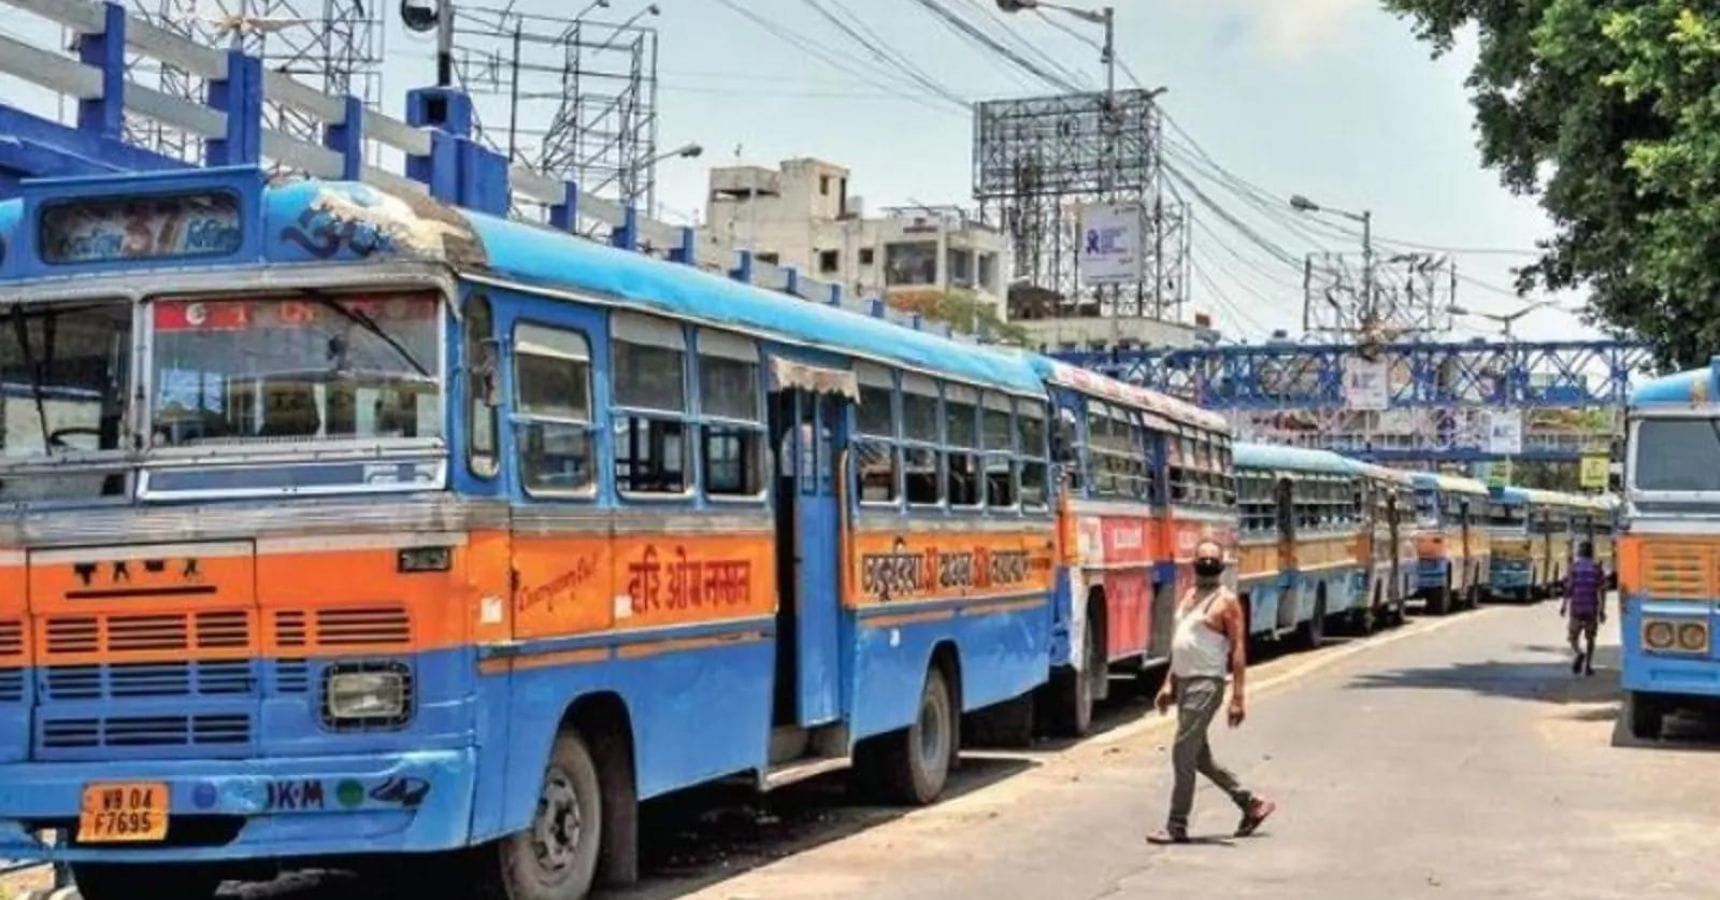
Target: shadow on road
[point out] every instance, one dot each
(1546, 677)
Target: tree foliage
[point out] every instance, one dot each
(1609, 110)
(963, 311)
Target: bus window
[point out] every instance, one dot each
(733, 433)
(998, 437)
(1066, 448)
(480, 388)
(1030, 440)
(67, 369)
(875, 445)
(961, 433)
(552, 405)
(649, 357)
(920, 439)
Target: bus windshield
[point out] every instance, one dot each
(1500, 515)
(1677, 455)
(293, 369)
(64, 378)
(1426, 507)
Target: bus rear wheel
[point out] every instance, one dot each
(108, 881)
(1647, 716)
(913, 764)
(555, 858)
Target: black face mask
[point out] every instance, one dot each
(1207, 567)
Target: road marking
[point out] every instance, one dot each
(1315, 663)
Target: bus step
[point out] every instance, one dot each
(801, 770)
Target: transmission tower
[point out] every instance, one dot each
(1413, 297)
(571, 98)
(335, 46)
(1039, 161)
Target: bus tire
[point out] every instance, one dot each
(112, 881)
(1314, 630)
(1647, 716)
(1439, 600)
(914, 762)
(1071, 690)
(555, 858)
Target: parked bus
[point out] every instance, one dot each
(1386, 542)
(1451, 540)
(1300, 518)
(1553, 525)
(1147, 477)
(1511, 568)
(471, 533)
(1669, 548)
(1605, 535)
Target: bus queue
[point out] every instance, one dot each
(476, 535)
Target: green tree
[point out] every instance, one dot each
(1609, 110)
(963, 311)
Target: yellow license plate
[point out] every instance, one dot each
(123, 812)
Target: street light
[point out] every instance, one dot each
(1302, 204)
(1105, 17)
(1506, 320)
(685, 151)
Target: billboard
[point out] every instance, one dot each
(1111, 243)
(1365, 384)
(1505, 432)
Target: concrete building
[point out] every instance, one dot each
(802, 215)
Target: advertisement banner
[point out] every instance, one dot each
(1110, 243)
(1594, 472)
(1365, 384)
(1505, 432)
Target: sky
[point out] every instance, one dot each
(1333, 99)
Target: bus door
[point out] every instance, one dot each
(807, 428)
(1466, 576)
(1395, 545)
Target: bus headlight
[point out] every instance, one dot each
(366, 695)
(1693, 637)
(1657, 634)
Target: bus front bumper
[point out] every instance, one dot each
(250, 809)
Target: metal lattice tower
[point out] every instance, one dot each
(1038, 160)
(335, 46)
(569, 98)
(1414, 294)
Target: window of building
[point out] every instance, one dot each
(960, 263)
(987, 275)
(875, 445)
(961, 434)
(866, 256)
(921, 454)
(648, 356)
(552, 406)
(480, 356)
(732, 442)
(824, 185)
(911, 263)
(829, 261)
(768, 258)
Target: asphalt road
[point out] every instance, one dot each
(1452, 758)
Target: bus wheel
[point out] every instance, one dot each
(1439, 600)
(915, 761)
(555, 858)
(1314, 630)
(1072, 691)
(1646, 715)
(108, 881)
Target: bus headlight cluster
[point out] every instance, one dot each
(366, 695)
(1672, 636)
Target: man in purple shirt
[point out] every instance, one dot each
(1586, 607)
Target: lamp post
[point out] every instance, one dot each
(1505, 320)
(1369, 315)
(1105, 17)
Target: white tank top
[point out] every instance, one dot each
(1197, 651)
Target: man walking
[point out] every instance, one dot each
(1586, 607)
(1210, 637)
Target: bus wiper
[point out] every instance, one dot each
(22, 330)
(364, 321)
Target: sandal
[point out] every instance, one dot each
(1257, 813)
(1166, 836)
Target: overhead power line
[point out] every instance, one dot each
(979, 37)
(884, 54)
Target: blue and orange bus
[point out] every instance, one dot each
(337, 521)
(1146, 477)
(1300, 525)
(1451, 540)
(1512, 570)
(1387, 545)
(1669, 548)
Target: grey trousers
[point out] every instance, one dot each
(1198, 702)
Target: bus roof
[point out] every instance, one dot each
(556, 261)
(1455, 484)
(1297, 459)
(1509, 495)
(1682, 388)
(1105, 387)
